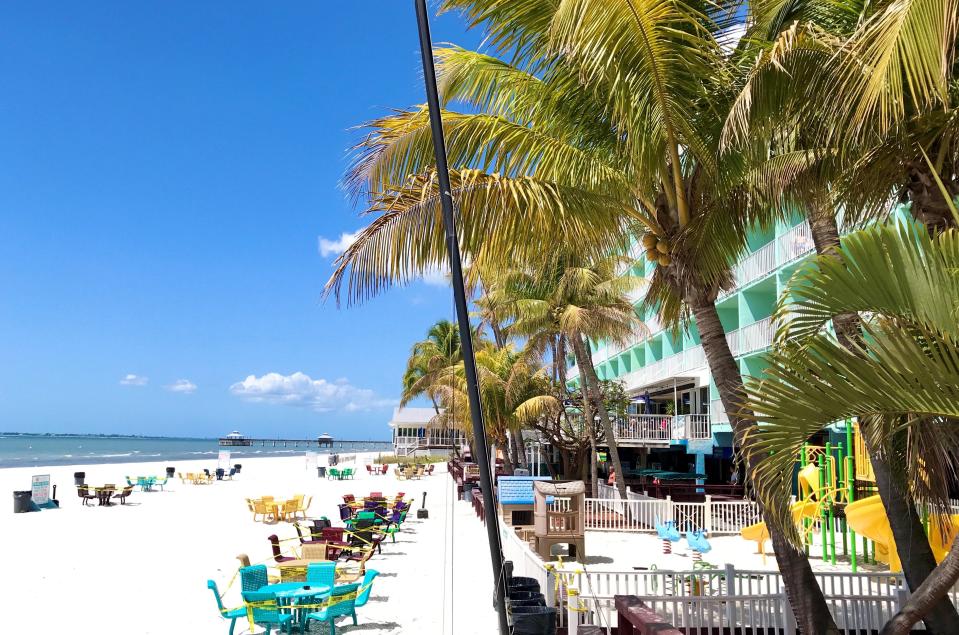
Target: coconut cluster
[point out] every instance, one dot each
(657, 249)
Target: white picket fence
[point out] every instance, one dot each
(640, 513)
(731, 598)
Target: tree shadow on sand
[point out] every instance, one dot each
(366, 626)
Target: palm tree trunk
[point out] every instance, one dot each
(805, 596)
(520, 445)
(591, 382)
(590, 433)
(918, 561)
(559, 361)
(926, 597)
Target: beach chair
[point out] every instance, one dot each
(398, 474)
(263, 609)
(129, 480)
(342, 602)
(288, 510)
(420, 471)
(429, 471)
(161, 482)
(232, 615)
(84, 493)
(264, 508)
(333, 473)
(314, 551)
(124, 493)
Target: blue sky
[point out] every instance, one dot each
(168, 170)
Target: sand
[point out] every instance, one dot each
(143, 567)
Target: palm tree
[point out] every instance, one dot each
(514, 391)
(428, 359)
(607, 118)
(903, 376)
(579, 301)
(800, 54)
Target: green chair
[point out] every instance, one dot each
(232, 615)
(266, 611)
(333, 473)
(342, 602)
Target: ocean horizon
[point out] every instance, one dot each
(39, 449)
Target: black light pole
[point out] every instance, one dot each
(462, 314)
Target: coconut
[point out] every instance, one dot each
(649, 240)
(662, 247)
(664, 260)
(652, 255)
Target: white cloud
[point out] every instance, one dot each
(299, 389)
(182, 385)
(134, 380)
(436, 277)
(729, 37)
(336, 247)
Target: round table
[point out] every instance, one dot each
(287, 594)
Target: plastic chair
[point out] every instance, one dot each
(364, 592)
(232, 615)
(266, 611)
(342, 602)
(321, 574)
(277, 553)
(160, 482)
(254, 577)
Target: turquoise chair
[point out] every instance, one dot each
(267, 612)
(321, 574)
(337, 608)
(160, 482)
(365, 588)
(232, 615)
(253, 578)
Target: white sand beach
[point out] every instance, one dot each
(143, 567)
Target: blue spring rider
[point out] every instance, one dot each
(668, 534)
(698, 544)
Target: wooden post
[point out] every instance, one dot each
(708, 514)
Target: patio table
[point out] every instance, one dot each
(289, 594)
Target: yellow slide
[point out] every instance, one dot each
(759, 533)
(867, 517)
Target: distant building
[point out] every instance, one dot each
(415, 433)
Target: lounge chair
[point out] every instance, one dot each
(342, 602)
(123, 494)
(265, 611)
(232, 615)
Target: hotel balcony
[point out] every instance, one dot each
(661, 429)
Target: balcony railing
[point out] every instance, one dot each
(662, 428)
(752, 337)
(677, 364)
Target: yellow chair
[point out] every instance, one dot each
(263, 509)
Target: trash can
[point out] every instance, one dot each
(321, 471)
(517, 583)
(170, 471)
(219, 473)
(519, 596)
(530, 602)
(22, 501)
(79, 478)
(237, 468)
(534, 620)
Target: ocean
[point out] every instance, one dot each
(36, 450)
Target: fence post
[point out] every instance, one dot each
(708, 515)
(669, 507)
(789, 620)
(549, 593)
(730, 599)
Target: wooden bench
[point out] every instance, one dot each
(635, 618)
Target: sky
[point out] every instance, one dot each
(170, 206)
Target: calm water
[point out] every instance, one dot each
(25, 451)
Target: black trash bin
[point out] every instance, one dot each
(22, 501)
(530, 602)
(170, 471)
(321, 471)
(79, 478)
(219, 473)
(524, 595)
(237, 468)
(534, 620)
(517, 583)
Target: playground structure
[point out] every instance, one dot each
(668, 533)
(515, 495)
(836, 496)
(566, 526)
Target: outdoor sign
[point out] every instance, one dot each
(41, 489)
(224, 459)
(601, 457)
